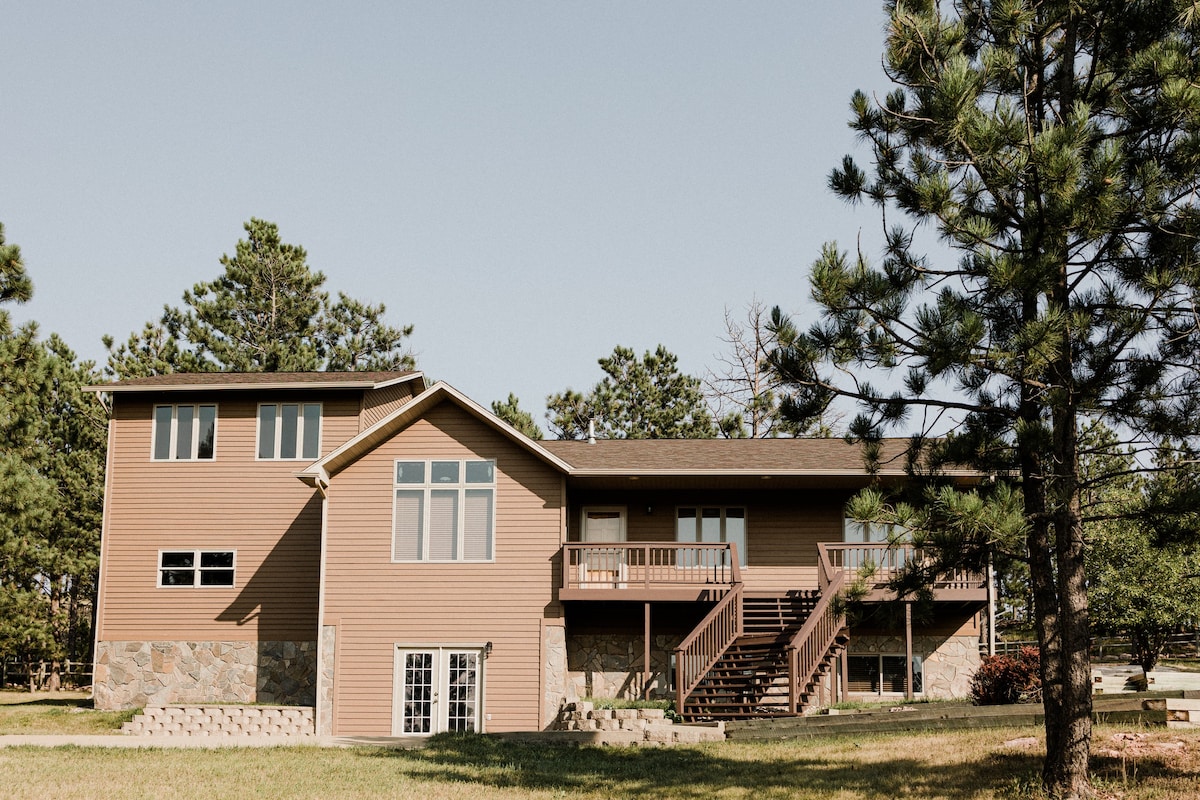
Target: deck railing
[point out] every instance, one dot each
(646, 565)
(811, 644)
(879, 564)
(701, 650)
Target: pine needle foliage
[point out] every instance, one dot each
(1053, 149)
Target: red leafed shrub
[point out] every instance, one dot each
(1008, 679)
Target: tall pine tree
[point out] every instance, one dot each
(647, 398)
(265, 313)
(52, 447)
(1053, 146)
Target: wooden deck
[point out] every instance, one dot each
(648, 571)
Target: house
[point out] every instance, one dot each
(392, 554)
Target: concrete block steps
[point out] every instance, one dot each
(222, 721)
(633, 725)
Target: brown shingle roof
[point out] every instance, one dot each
(724, 456)
(178, 381)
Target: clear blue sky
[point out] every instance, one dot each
(528, 183)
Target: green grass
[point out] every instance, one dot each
(959, 765)
(56, 713)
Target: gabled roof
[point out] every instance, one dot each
(320, 471)
(192, 381)
(679, 457)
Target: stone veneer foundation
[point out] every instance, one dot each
(137, 674)
(609, 665)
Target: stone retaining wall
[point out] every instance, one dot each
(222, 721)
(649, 725)
(159, 673)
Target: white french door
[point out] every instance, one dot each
(437, 690)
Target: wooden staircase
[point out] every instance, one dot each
(751, 678)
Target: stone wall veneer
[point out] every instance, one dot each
(138, 674)
(610, 665)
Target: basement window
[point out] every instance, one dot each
(195, 568)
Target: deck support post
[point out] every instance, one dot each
(843, 677)
(646, 655)
(908, 652)
(991, 606)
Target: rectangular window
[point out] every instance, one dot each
(881, 674)
(185, 433)
(195, 568)
(444, 511)
(713, 525)
(289, 431)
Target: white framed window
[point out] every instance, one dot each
(444, 510)
(712, 525)
(184, 433)
(289, 431)
(882, 674)
(196, 568)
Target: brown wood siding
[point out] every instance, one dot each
(377, 604)
(782, 528)
(233, 502)
(378, 403)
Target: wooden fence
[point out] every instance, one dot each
(1181, 645)
(36, 675)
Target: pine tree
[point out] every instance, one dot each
(265, 313)
(1053, 147)
(637, 399)
(52, 450)
(511, 412)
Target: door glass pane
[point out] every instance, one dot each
(266, 431)
(893, 673)
(710, 525)
(289, 414)
(162, 432)
(602, 526)
(418, 692)
(208, 432)
(183, 431)
(461, 691)
(862, 674)
(443, 524)
(735, 531)
(685, 525)
(312, 430)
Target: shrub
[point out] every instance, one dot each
(1008, 679)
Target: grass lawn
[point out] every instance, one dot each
(56, 712)
(961, 765)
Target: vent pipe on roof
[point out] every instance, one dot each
(592, 431)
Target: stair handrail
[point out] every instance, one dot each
(811, 644)
(707, 642)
